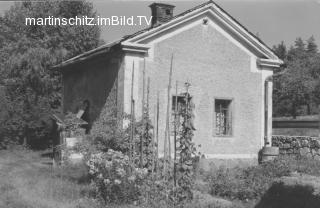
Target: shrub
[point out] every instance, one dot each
(252, 182)
(113, 177)
(304, 165)
(248, 183)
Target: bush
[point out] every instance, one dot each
(113, 177)
(252, 182)
(304, 165)
(248, 183)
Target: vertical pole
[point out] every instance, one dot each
(132, 119)
(133, 131)
(153, 138)
(167, 132)
(175, 136)
(147, 123)
(142, 114)
(157, 130)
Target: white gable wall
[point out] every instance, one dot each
(217, 66)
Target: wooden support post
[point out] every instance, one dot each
(142, 114)
(167, 156)
(153, 139)
(132, 119)
(157, 129)
(175, 137)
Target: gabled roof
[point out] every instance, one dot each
(270, 58)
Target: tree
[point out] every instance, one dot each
(297, 86)
(312, 46)
(28, 52)
(280, 50)
(295, 82)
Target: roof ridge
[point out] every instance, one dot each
(126, 37)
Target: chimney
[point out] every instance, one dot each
(161, 13)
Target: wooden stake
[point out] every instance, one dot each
(132, 118)
(175, 136)
(153, 138)
(142, 113)
(167, 132)
(157, 130)
(147, 114)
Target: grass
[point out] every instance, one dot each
(27, 180)
(251, 183)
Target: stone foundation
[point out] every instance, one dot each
(297, 145)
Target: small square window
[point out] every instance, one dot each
(223, 117)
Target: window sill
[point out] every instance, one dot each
(223, 136)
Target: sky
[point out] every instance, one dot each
(273, 20)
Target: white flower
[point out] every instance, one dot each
(117, 181)
(106, 181)
(132, 178)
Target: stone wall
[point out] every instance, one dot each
(297, 145)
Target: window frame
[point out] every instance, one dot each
(231, 134)
(172, 112)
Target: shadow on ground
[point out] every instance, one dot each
(289, 196)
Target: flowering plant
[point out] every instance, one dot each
(114, 178)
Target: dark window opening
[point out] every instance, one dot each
(223, 117)
(84, 114)
(168, 12)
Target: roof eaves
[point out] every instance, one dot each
(84, 56)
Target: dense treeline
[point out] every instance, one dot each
(30, 91)
(297, 83)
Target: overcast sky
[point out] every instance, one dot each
(274, 20)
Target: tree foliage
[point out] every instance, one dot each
(295, 83)
(26, 55)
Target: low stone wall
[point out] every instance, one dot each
(297, 145)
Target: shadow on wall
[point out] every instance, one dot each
(288, 196)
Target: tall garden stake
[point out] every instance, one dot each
(175, 136)
(157, 130)
(142, 113)
(167, 131)
(153, 139)
(149, 150)
(132, 119)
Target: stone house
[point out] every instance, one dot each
(229, 70)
